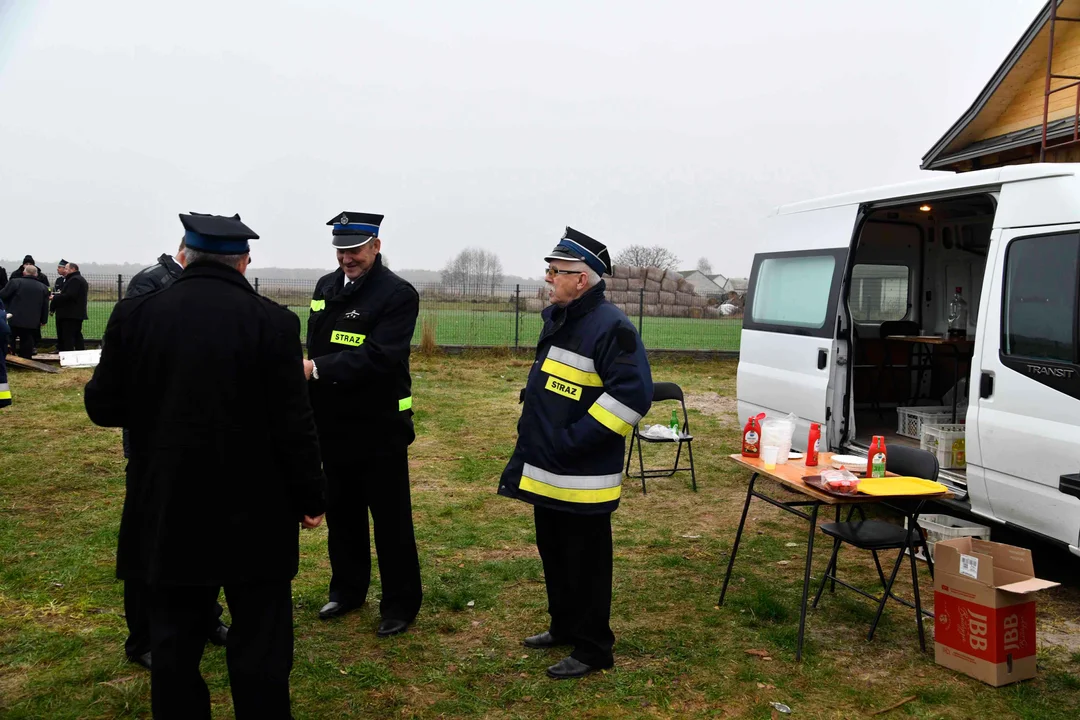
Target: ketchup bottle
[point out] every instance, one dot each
(812, 445)
(875, 463)
(751, 437)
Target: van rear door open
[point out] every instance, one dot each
(789, 347)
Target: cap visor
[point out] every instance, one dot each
(561, 254)
(347, 242)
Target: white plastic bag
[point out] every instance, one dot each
(779, 431)
(659, 432)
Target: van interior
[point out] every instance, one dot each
(909, 262)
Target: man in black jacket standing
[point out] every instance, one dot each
(209, 379)
(61, 271)
(359, 337)
(28, 302)
(156, 277)
(70, 309)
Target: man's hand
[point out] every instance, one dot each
(311, 522)
(308, 365)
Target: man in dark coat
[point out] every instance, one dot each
(208, 377)
(3, 278)
(359, 337)
(589, 386)
(70, 309)
(61, 271)
(28, 302)
(136, 593)
(21, 271)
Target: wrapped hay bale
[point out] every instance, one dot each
(620, 272)
(667, 298)
(616, 283)
(652, 285)
(654, 273)
(669, 284)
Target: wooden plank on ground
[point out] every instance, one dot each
(16, 361)
(47, 357)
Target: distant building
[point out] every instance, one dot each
(703, 284)
(739, 285)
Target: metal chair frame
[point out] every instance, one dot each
(664, 391)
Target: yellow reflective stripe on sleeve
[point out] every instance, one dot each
(553, 367)
(317, 305)
(404, 404)
(5, 394)
(610, 420)
(568, 494)
(344, 338)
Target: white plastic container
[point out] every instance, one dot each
(778, 432)
(947, 443)
(910, 420)
(947, 527)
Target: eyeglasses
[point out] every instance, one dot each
(552, 272)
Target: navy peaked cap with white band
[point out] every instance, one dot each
(579, 247)
(217, 234)
(354, 229)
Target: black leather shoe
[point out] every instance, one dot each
(389, 627)
(219, 634)
(143, 659)
(568, 668)
(335, 609)
(542, 641)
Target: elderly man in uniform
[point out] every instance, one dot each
(589, 386)
(28, 302)
(359, 337)
(208, 378)
(61, 272)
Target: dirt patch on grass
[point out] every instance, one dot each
(714, 404)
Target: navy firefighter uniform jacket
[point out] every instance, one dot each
(589, 386)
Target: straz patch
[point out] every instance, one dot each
(563, 388)
(346, 338)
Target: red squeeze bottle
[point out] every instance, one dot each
(812, 445)
(751, 436)
(875, 462)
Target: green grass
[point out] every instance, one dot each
(460, 325)
(677, 654)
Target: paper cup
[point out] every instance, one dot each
(768, 454)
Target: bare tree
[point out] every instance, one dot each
(473, 271)
(642, 256)
(704, 266)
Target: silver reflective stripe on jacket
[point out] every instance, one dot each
(572, 482)
(572, 359)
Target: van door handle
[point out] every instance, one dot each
(822, 359)
(986, 385)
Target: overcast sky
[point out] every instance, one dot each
(469, 123)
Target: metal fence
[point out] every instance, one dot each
(494, 316)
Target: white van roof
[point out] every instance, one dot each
(936, 185)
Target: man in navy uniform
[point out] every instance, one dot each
(589, 386)
(359, 336)
(208, 379)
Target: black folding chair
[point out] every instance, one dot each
(878, 535)
(664, 391)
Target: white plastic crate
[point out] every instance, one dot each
(910, 420)
(947, 527)
(947, 443)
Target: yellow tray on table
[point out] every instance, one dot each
(902, 485)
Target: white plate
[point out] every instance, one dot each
(795, 455)
(847, 460)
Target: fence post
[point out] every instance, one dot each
(517, 312)
(119, 287)
(256, 286)
(641, 310)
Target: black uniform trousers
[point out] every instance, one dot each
(355, 484)
(69, 334)
(577, 556)
(27, 341)
(137, 614)
(259, 651)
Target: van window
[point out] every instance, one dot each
(879, 293)
(793, 291)
(1039, 318)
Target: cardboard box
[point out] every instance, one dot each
(984, 607)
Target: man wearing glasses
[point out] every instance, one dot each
(589, 386)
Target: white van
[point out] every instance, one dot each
(830, 272)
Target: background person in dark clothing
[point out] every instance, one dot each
(3, 278)
(136, 593)
(230, 420)
(70, 309)
(28, 302)
(359, 336)
(61, 271)
(21, 271)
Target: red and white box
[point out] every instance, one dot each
(984, 607)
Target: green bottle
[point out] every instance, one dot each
(674, 424)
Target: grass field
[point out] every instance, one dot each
(677, 654)
(489, 328)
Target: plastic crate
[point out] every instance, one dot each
(947, 527)
(910, 420)
(947, 443)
